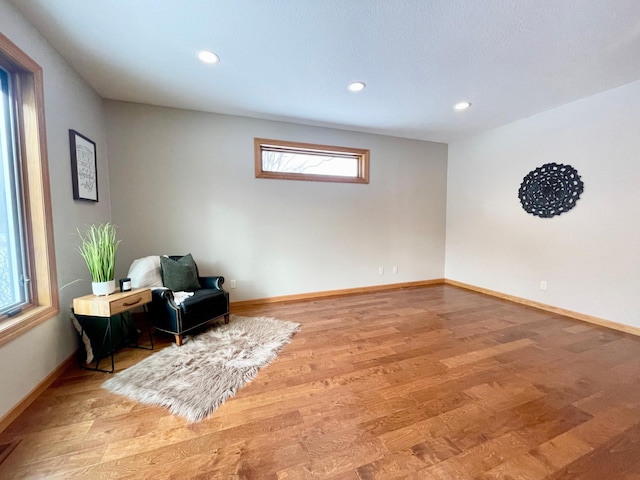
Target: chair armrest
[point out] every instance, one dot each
(164, 295)
(211, 282)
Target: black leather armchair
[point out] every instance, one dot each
(208, 303)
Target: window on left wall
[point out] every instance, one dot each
(28, 287)
(14, 279)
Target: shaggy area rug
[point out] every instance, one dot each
(196, 378)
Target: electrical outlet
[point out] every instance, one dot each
(395, 269)
(543, 285)
(233, 284)
(381, 271)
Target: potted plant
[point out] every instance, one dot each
(98, 248)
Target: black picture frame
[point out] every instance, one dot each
(84, 167)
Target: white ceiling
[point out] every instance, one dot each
(292, 59)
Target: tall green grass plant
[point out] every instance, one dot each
(98, 248)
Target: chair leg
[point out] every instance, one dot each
(226, 318)
(178, 340)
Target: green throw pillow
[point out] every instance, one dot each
(179, 275)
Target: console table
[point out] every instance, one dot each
(92, 308)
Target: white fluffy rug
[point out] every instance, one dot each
(196, 378)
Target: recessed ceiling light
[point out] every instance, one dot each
(462, 105)
(208, 57)
(356, 86)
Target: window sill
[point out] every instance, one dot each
(11, 328)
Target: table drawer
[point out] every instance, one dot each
(132, 301)
(111, 304)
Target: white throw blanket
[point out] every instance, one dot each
(179, 297)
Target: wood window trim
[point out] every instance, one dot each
(28, 77)
(361, 153)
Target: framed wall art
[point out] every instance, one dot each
(84, 167)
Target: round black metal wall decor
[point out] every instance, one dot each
(550, 190)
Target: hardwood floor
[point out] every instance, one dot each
(425, 383)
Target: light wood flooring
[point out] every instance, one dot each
(424, 383)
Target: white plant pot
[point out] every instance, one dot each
(103, 288)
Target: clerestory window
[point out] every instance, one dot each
(305, 161)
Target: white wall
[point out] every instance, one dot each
(184, 181)
(69, 103)
(590, 256)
